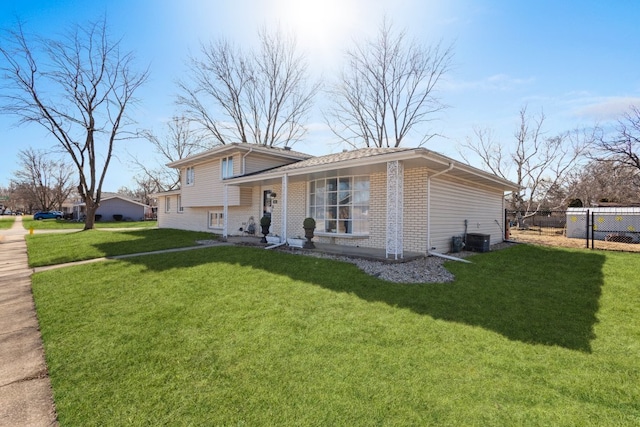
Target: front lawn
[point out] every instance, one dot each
(65, 224)
(48, 249)
(6, 222)
(243, 336)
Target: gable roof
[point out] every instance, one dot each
(111, 196)
(221, 150)
(367, 160)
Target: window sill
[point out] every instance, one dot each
(341, 235)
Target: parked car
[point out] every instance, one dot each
(47, 215)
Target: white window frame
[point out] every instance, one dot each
(226, 167)
(179, 208)
(167, 204)
(190, 175)
(215, 219)
(327, 206)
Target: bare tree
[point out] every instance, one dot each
(141, 193)
(387, 89)
(178, 141)
(538, 164)
(79, 88)
(46, 182)
(262, 97)
(622, 147)
(604, 181)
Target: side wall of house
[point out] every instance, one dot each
(453, 202)
(115, 206)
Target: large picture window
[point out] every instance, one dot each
(340, 205)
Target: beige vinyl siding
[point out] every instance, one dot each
(452, 202)
(256, 162)
(207, 189)
(246, 196)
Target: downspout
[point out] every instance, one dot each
(285, 196)
(225, 211)
(429, 204)
(244, 165)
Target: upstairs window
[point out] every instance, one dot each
(227, 167)
(190, 176)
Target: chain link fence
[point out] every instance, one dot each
(597, 228)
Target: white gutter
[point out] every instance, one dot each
(244, 162)
(429, 203)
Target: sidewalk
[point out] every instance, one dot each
(25, 390)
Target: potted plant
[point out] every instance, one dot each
(309, 225)
(265, 223)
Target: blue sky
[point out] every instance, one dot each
(576, 60)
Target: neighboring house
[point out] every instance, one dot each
(397, 199)
(116, 204)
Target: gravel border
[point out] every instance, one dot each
(424, 270)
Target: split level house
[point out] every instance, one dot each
(396, 199)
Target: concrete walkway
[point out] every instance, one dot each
(25, 390)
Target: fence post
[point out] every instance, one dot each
(593, 217)
(587, 221)
(506, 226)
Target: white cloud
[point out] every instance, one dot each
(606, 108)
(496, 82)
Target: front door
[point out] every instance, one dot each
(267, 201)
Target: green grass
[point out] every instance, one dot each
(6, 222)
(242, 336)
(63, 224)
(48, 249)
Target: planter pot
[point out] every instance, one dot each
(296, 243)
(265, 231)
(308, 233)
(273, 240)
